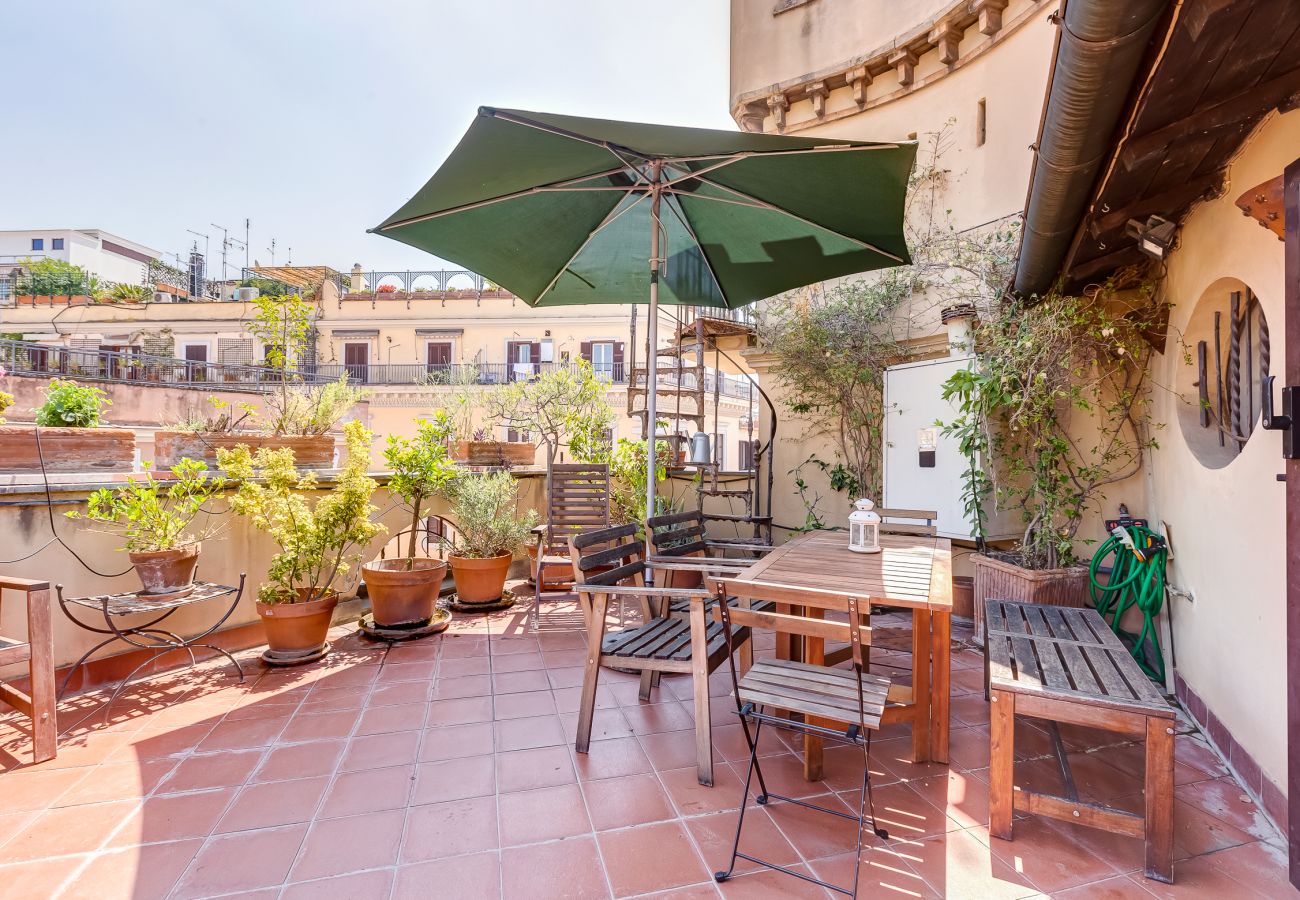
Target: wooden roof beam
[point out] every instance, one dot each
(1168, 204)
(1253, 101)
(1104, 265)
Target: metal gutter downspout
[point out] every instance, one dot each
(1100, 47)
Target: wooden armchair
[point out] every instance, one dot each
(577, 500)
(37, 650)
(610, 562)
(679, 544)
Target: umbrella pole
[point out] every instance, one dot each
(652, 340)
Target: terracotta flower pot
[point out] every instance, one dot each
(494, 453)
(297, 628)
(170, 447)
(400, 595)
(480, 580)
(66, 449)
(166, 571)
(1003, 580)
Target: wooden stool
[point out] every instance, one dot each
(1066, 665)
(38, 652)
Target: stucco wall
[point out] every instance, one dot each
(1227, 523)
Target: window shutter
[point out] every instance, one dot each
(535, 352)
(586, 350)
(618, 361)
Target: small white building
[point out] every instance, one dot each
(101, 253)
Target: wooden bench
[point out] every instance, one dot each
(1065, 665)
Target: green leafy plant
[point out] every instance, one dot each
(130, 293)
(54, 278)
(1056, 409)
(485, 508)
(553, 406)
(463, 400)
(222, 417)
(319, 540)
(314, 409)
(71, 405)
(421, 470)
(156, 515)
(6, 399)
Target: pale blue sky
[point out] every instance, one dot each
(314, 118)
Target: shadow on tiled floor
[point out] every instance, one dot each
(444, 768)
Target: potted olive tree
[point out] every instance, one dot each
(69, 435)
(490, 530)
(404, 591)
(319, 539)
(1054, 413)
(163, 523)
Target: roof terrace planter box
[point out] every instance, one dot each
(998, 579)
(494, 453)
(170, 447)
(66, 450)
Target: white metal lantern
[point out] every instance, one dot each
(864, 527)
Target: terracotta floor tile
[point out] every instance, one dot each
(902, 812)
(656, 718)
(473, 875)
(138, 873)
(454, 741)
(669, 750)
(882, 872)
(368, 791)
(159, 744)
(559, 869)
(523, 705)
(956, 864)
(525, 770)
(673, 863)
(1259, 867)
(508, 646)
(461, 711)
(970, 709)
(338, 846)
(458, 688)
(273, 803)
(401, 692)
(37, 790)
(529, 733)
(117, 781)
(1228, 802)
(961, 796)
(299, 761)
(526, 817)
(627, 800)
(568, 700)
(242, 862)
(611, 759)
(39, 878)
(692, 798)
(449, 829)
(72, 829)
(324, 699)
(174, 816)
(421, 671)
(381, 719)
(520, 682)
(1194, 751)
(715, 834)
(1118, 887)
(464, 666)
(324, 726)
(454, 779)
(1053, 859)
(242, 734)
(770, 885)
(378, 751)
(518, 662)
(1197, 878)
(606, 725)
(968, 747)
(212, 770)
(357, 886)
(814, 834)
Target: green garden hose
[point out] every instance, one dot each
(1137, 578)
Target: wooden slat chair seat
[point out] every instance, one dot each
(844, 705)
(577, 501)
(610, 563)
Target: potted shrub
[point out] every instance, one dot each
(404, 591)
(70, 438)
(489, 531)
(319, 539)
(1055, 412)
(471, 443)
(157, 520)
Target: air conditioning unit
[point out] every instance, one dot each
(246, 294)
(163, 297)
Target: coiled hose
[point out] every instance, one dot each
(1137, 578)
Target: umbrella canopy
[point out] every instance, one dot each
(562, 210)
(557, 209)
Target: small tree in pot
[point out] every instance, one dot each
(319, 541)
(404, 591)
(491, 530)
(157, 521)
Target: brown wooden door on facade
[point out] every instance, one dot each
(356, 358)
(195, 357)
(522, 359)
(1291, 324)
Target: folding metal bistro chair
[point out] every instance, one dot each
(843, 705)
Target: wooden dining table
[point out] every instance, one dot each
(910, 572)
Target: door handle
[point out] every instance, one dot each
(1285, 421)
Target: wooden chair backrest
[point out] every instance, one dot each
(609, 556)
(676, 534)
(578, 501)
(923, 521)
(746, 592)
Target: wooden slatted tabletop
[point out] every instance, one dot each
(910, 572)
(1065, 653)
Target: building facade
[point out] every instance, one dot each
(107, 256)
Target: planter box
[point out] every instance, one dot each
(66, 449)
(170, 447)
(1001, 580)
(55, 300)
(494, 453)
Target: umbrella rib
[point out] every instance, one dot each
(607, 221)
(571, 135)
(746, 154)
(771, 207)
(515, 195)
(708, 264)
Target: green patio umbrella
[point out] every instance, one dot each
(564, 210)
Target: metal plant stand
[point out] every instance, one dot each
(147, 635)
